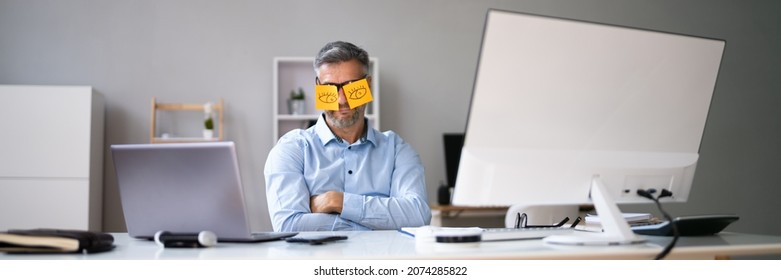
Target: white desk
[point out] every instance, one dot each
(395, 245)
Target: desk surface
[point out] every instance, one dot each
(396, 245)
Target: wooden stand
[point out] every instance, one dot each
(218, 108)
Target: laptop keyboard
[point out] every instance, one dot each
(496, 234)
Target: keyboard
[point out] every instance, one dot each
(498, 234)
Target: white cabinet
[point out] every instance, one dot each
(51, 157)
(292, 73)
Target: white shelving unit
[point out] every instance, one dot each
(291, 73)
(51, 159)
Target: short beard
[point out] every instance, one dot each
(340, 123)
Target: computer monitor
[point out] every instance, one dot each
(453, 143)
(565, 110)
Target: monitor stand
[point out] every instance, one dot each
(615, 229)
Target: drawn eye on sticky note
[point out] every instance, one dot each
(357, 93)
(326, 97)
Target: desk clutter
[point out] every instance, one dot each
(200, 239)
(687, 225)
(695, 225)
(395, 246)
(55, 241)
(433, 234)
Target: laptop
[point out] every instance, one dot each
(185, 188)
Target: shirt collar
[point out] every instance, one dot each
(326, 135)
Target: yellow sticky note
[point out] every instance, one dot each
(357, 93)
(326, 97)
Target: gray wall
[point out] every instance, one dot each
(195, 51)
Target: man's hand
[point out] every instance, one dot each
(329, 202)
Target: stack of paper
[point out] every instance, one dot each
(630, 218)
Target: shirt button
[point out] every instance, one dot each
(349, 172)
(350, 148)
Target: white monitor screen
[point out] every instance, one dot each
(558, 101)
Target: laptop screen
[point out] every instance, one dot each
(188, 187)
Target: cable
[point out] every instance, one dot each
(665, 193)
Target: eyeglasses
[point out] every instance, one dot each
(338, 86)
(357, 93)
(521, 219)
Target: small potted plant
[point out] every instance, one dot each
(208, 122)
(296, 103)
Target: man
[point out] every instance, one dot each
(342, 174)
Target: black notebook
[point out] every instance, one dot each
(688, 225)
(55, 241)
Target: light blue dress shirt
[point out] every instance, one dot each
(381, 176)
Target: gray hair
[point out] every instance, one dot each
(336, 52)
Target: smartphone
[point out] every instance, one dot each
(316, 240)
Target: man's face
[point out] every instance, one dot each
(337, 73)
